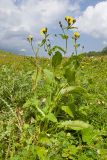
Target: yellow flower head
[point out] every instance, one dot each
(76, 35)
(43, 30)
(70, 20)
(30, 38)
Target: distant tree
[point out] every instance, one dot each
(92, 53)
(104, 50)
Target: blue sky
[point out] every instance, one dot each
(19, 18)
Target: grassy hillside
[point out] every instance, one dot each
(10, 58)
(53, 114)
(2, 52)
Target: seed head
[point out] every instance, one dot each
(30, 38)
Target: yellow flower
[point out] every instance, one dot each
(70, 20)
(76, 35)
(30, 38)
(43, 30)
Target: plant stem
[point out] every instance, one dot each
(75, 47)
(66, 45)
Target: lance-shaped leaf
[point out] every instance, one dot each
(51, 117)
(64, 36)
(77, 45)
(67, 110)
(71, 27)
(74, 125)
(72, 89)
(43, 42)
(67, 90)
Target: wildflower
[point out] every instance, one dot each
(43, 30)
(76, 35)
(70, 20)
(30, 38)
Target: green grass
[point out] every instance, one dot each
(36, 112)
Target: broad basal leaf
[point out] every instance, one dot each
(67, 89)
(74, 125)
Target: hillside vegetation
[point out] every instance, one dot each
(20, 135)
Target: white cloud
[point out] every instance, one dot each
(93, 21)
(104, 43)
(32, 14)
(21, 17)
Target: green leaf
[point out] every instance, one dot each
(79, 90)
(71, 27)
(26, 126)
(45, 141)
(73, 61)
(74, 125)
(77, 45)
(60, 48)
(67, 90)
(56, 48)
(72, 89)
(88, 135)
(64, 36)
(56, 59)
(67, 110)
(49, 76)
(70, 75)
(35, 79)
(43, 42)
(31, 102)
(103, 152)
(41, 152)
(51, 117)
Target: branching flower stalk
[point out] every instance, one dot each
(47, 46)
(70, 22)
(65, 35)
(30, 40)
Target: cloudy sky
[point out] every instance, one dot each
(19, 18)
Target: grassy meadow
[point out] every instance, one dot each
(53, 108)
(53, 114)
